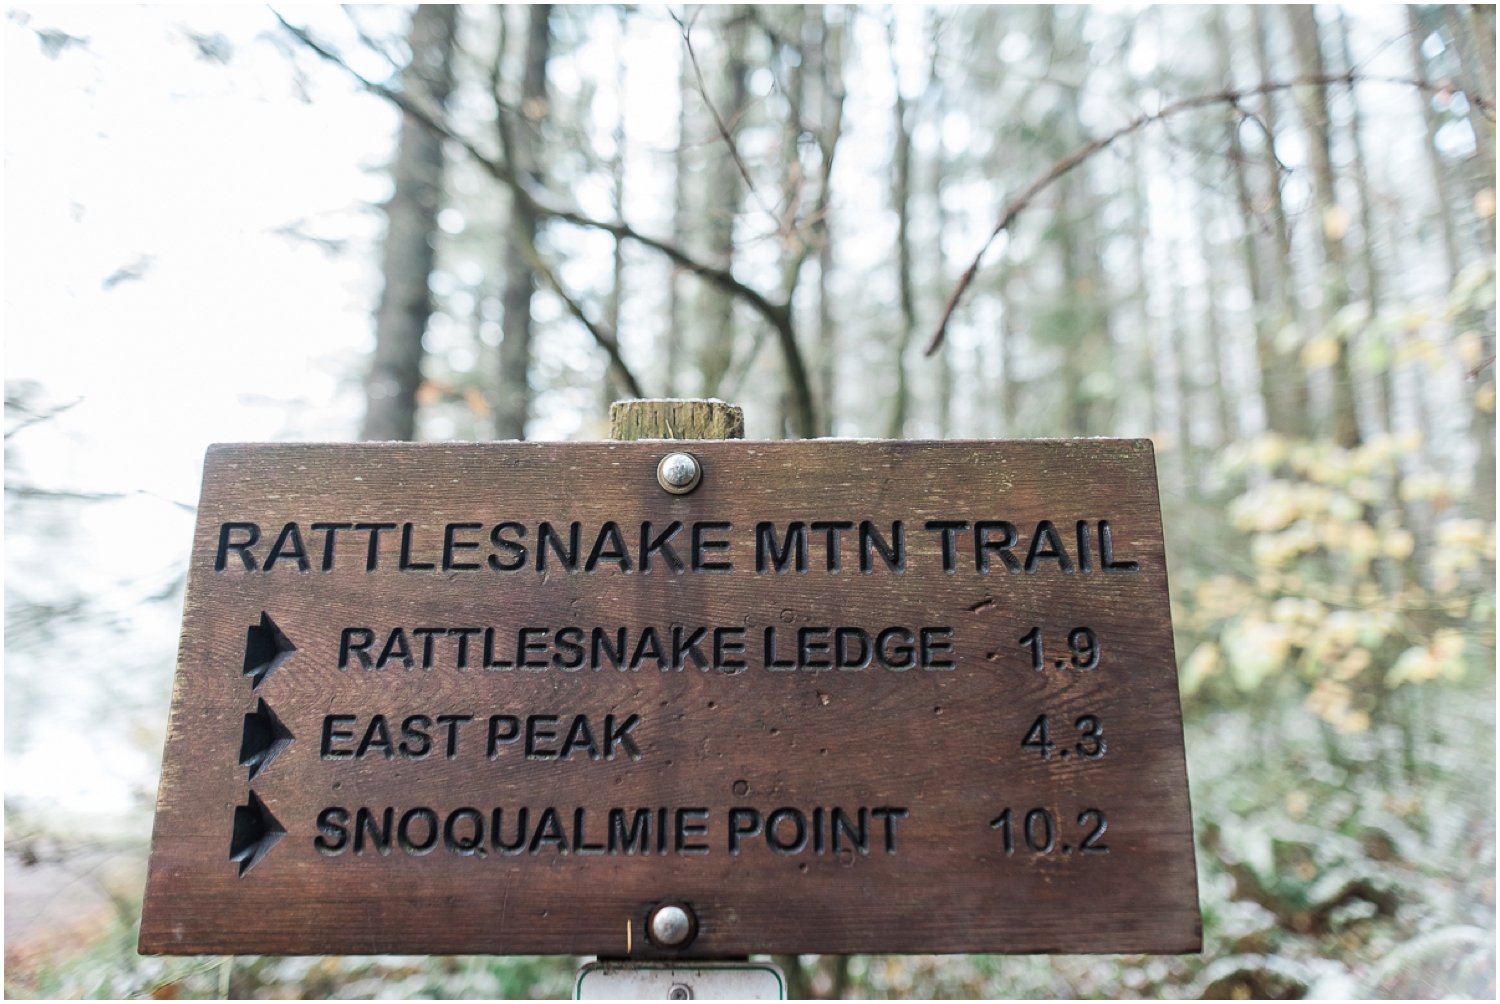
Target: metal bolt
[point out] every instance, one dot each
(671, 926)
(680, 992)
(679, 473)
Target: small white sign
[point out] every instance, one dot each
(663, 981)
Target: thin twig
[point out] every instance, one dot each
(524, 189)
(36, 416)
(724, 131)
(778, 314)
(605, 339)
(370, 43)
(501, 171)
(1022, 202)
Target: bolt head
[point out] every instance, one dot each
(679, 473)
(671, 926)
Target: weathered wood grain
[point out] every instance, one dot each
(692, 418)
(944, 744)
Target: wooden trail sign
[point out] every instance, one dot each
(514, 697)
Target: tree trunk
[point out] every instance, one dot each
(901, 202)
(514, 404)
(824, 59)
(1010, 387)
(1271, 386)
(1224, 401)
(612, 385)
(1184, 373)
(1140, 237)
(680, 303)
(406, 301)
(1290, 414)
(1331, 217)
(1478, 79)
(716, 314)
(1417, 34)
(790, 25)
(1361, 177)
(936, 96)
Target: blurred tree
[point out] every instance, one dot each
(1261, 236)
(1287, 411)
(1332, 217)
(522, 136)
(418, 194)
(901, 196)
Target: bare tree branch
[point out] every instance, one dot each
(33, 416)
(724, 132)
(605, 339)
(1023, 201)
(779, 315)
(503, 171)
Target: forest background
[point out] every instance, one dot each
(1263, 237)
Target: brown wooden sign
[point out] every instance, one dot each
(511, 697)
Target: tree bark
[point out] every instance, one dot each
(514, 400)
(407, 255)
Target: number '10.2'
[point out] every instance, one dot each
(1082, 643)
(1040, 833)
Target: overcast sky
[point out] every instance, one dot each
(149, 190)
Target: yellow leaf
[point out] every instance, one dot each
(1484, 398)
(1469, 348)
(1330, 701)
(1354, 721)
(1336, 222)
(1399, 544)
(1484, 203)
(1320, 353)
(1352, 664)
(1203, 663)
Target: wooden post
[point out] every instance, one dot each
(694, 418)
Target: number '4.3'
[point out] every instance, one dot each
(1090, 747)
(1082, 643)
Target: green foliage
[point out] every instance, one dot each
(1365, 572)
